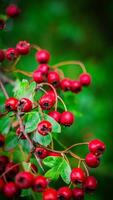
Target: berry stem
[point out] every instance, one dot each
(74, 145)
(29, 74)
(34, 46)
(65, 108)
(4, 90)
(3, 174)
(71, 63)
(86, 169)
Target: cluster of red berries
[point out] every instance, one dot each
(12, 10)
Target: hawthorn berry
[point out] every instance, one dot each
(43, 56)
(2, 140)
(76, 86)
(78, 193)
(41, 152)
(44, 127)
(12, 169)
(2, 184)
(77, 175)
(50, 194)
(67, 118)
(11, 104)
(10, 190)
(64, 193)
(24, 180)
(90, 184)
(44, 68)
(2, 55)
(96, 147)
(40, 183)
(12, 10)
(55, 115)
(53, 78)
(38, 76)
(85, 79)
(47, 101)
(65, 84)
(54, 154)
(34, 168)
(2, 24)
(25, 105)
(11, 54)
(23, 47)
(92, 161)
(20, 134)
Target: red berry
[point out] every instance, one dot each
(2, 140)
(64, 193)
(44, 127)
(24, 180)
(67, 118)
(92, 160)
(51, 153)
(47, 101)
(96, 147)
(53, 78)
(11, 54)
(23, 47)
(11, 104)
(2, 184)
(2, 55)
(12, 10)
(78, 194)
(10, 190)
(2, 24)
(52, 94)
(43, 68)
(34, 168)
(77, 175)
(12, 169)
(20, 134)
(76, 86)
(50, 194)
(38, 76)
(40, 184)
(3, 162)
(85, 79)
(42, 56)
(90, 184)
(55, 115)
(41, 152)
(65, 84)
(25, 105)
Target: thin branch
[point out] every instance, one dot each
(4, 90)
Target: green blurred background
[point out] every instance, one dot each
(74, 30)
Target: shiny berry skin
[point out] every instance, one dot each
(12, 169)
(2, 24)
(10, 190)
(77, 175)
(85, 79)
(24, 180)
(11, 104)
(76, 86)
(44, 127)
(50, 194)
(40, 183)
(34, 168)
(54, 154)
(2, 55)
(44, 68)
(92, 161)
(65, 84)
(20, 134)
(90, 184)
(96, 147)
(64, 193)
(67, 118)
(11, 54)
(2, 184)
(12, 10)
(2, 140)
(43, 56)
(47, 101)
(53, 78)
(41, 152)
(23, 47)
(25, 105)
(55, 115)
(78, 194)
(38, 76)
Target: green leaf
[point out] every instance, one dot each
(25, 145)
(24, 89)
(59, 167)
(11, 141)
(5, 125)
(56, 128)
(31, 120)
(26, 166)
(43, 140)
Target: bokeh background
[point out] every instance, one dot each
(74, 30)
